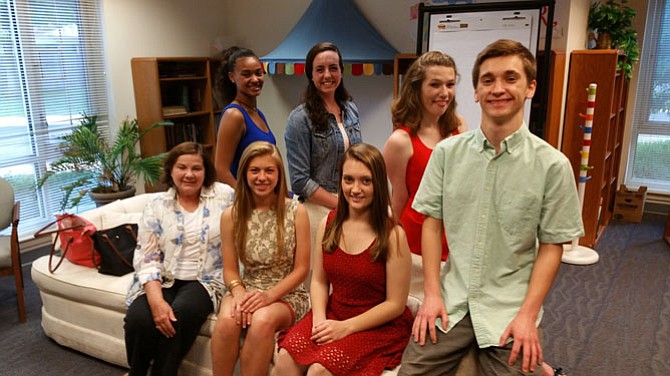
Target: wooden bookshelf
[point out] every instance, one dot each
(178, 90)
(599, 67)
(401, 63)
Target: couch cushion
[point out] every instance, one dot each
(137, 203)
(110, 220)
(95, 215)
(82, 284)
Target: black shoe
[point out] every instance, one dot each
(558, 371)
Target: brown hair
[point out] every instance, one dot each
(188, 148)
(316, 110)
(506, 47)
(407, 109)
(381, 220)
(243, 204)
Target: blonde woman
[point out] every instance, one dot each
(268, 233)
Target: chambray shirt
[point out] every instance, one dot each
(313, 156)
(494, 208)
(161, 239)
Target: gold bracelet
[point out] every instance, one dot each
(234, 283)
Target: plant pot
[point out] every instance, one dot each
(101, 199)
(604, 41)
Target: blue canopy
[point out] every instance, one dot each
(338, 22)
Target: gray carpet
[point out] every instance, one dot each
(611, 318)
(25, 350)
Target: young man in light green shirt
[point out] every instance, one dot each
(497, 191)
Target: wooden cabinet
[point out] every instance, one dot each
(599, 67)
(401, 63)
(554, 103)
(178, 90)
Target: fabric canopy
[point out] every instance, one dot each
(364, 50)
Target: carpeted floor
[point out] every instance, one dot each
(611, 318)
(25, 350)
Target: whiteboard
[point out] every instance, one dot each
(463, 35)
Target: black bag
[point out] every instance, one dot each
(116, 247)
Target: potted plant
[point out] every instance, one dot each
(114, 168)
(613, 21)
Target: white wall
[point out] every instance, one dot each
(153, 28)
(186, 28)
(281, 93)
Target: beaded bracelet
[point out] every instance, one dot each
(234, 283)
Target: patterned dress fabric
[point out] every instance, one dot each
(358, 284)
(263, 269)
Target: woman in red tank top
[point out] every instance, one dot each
(423, 115)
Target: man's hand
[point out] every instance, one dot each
(526, 340)
(431, 308)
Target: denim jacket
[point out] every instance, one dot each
(313, 156)
(160, 241)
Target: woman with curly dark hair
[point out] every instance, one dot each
(319, 131)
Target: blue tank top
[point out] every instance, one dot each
(252, 134)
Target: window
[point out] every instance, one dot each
(649, 155)
(51, 72)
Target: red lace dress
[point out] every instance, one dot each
(410, 219)
(358, 285)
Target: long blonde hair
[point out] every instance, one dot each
(380, 218)
(244, 203)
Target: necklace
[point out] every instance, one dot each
(246, 106)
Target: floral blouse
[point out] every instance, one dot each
(161, 239)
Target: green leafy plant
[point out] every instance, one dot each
(88, 156)
(616, 19)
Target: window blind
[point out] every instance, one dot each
(51, 72)
(649, 155)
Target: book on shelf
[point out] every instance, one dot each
(174, 110)
(182, 132)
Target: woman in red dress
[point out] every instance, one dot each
(423, 115)
(363, 327)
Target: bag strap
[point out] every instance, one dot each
(105, 237)
(129, 228)
(41, 232)
(62, 256)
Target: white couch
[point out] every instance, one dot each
(84, 310)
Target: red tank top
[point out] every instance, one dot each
(410, 219)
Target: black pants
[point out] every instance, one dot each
(191, 305)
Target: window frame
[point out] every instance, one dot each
(79, 63)
(641, 124)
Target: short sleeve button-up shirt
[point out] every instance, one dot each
(495, 207)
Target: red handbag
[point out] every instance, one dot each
(74, 233)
